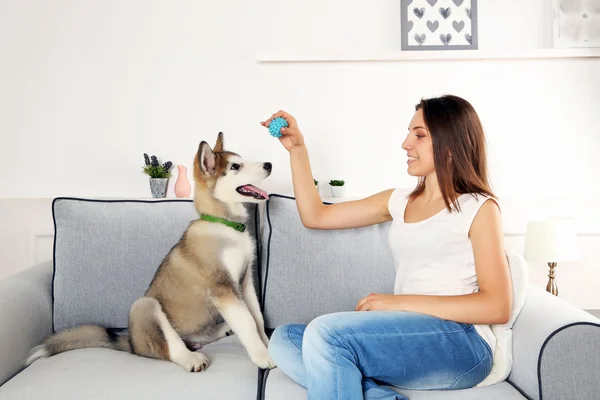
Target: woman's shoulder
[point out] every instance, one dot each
(476, 199)
(397, 200)
(400, 193)
(472, 203)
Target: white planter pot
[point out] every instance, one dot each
(337, 191)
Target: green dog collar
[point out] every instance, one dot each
(238, 226)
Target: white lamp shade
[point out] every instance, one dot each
(552, 240)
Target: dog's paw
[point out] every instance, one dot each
(196, 362)
(262, 359)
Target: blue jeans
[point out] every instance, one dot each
(347, 355)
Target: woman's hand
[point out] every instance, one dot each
(291, 136)
(379, 302)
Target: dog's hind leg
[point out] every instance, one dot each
(152, 336)
(196, 342)
(223, 329)
(236, 314)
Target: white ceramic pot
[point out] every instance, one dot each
(337, 191)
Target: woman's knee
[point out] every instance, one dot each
(324, 330)
(285, 348)
(279, 337)
(283, 339)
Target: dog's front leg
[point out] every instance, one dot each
(235, 312)
(251, 299)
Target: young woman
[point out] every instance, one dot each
(452, 277)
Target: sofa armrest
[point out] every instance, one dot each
(26, 313)
(555, 349)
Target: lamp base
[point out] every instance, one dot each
(551, 287)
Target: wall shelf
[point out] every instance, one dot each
(444, 55)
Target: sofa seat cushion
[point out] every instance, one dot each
(108, 374)
(280, 386)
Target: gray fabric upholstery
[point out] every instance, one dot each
(106, 253)
(25, 316)
(541, 316)
(280, 386)
(110, 250)
(105, 374)
(577, 346)
(313, 272)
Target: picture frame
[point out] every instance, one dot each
(439, 25)
(576, 23)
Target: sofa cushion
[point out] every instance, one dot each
(277, 386)
(107, 251)
(105, 374)
(309, 272)
(503, 353)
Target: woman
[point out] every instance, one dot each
(452, 278)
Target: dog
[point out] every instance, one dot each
(203, 289)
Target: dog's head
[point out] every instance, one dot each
(229, 177)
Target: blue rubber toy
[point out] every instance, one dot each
(276, 125)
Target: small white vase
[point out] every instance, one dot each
(338, 191)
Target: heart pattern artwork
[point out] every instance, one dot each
(419, 12)
(439, 24)
(432, 25)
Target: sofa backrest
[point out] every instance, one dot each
(309, 272)
(107, 251)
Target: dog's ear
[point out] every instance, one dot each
(206, 159)
(219, 145)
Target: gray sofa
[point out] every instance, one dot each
(106, 252)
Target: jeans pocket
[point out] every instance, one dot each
(473, 376)
(466, 327)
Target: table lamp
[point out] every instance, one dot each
(552, 240)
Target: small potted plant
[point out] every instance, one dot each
(337, 187)
(159, 175)
(316, 183)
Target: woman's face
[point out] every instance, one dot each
(419, 147)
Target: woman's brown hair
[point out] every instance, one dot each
(459, 152)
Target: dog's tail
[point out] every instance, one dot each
(79, 338)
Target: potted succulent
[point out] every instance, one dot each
(337, 187)
(159, 175)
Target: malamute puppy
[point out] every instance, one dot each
(207, 274)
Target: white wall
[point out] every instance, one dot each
(87, 87)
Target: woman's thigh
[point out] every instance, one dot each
(407, 350)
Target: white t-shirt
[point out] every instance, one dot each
(435, 256)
